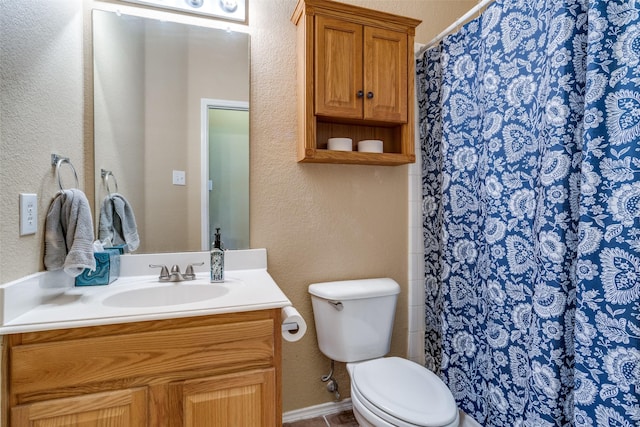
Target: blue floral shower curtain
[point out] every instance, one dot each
(530, 132)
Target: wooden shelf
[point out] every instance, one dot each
(357, 158)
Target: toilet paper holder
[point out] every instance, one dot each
(290, 327)
(293, 326)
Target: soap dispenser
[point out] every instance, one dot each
(217, 259)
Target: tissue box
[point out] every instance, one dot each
(122, 249)
(107, 269)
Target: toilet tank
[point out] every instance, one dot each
(354, 318)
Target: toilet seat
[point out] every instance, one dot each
(403, 393)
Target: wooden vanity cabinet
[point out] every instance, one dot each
(221, 370)
(356, 80)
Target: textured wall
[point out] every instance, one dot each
(41, 112)
(318, 222)
(321, 222)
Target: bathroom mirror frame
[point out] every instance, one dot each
(124, 96)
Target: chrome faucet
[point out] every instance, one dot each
(164, 272)
(175, 275)
(189, 274)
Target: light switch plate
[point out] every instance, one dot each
(28, 213)
(179, 178)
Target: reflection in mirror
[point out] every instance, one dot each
(168, 125)
(227, 151)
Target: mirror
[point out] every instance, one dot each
(171, 129)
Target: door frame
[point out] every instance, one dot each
(205, 105)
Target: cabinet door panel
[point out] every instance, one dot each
(338, 68)
(239, 400)
(385, 65)
(123, 408)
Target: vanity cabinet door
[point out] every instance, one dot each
(122, 408)
(244, 399)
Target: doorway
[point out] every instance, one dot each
(225, 170)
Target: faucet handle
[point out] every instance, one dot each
(175, 276)
(189, 274)
(164, 272)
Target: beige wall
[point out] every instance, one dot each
(318, 222)
(41, 112)
(322, 222)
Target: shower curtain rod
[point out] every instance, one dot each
(474, 10)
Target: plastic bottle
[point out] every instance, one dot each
(217, 259)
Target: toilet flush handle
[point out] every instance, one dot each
(336, 304)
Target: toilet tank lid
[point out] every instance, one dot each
(355, 289)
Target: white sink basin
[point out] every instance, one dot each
(165, 295)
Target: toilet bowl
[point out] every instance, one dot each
(395, 392)
(354, 321)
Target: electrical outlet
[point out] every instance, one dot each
(179, 178)
(28, 213)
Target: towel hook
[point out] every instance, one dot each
(105, 174)
(57, 161)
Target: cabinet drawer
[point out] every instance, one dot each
(79, 362)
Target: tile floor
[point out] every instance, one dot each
(339, 419)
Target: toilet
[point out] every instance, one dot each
(354, 321)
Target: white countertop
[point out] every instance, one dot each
(243, 290)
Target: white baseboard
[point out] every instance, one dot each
(345, 405)
(316, 411)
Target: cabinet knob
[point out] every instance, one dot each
(369, 95)
(360, 94)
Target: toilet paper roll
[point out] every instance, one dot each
(370, 146)
(293, 325)
(340, 144)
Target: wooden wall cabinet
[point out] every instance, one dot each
(209, 371)
(356, 80)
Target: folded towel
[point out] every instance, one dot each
(118, 223)
(68, 234)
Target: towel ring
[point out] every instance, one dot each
(105, 174)
(57, 161)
